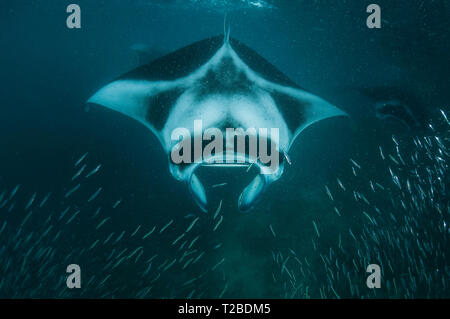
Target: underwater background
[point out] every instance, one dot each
(80, 184)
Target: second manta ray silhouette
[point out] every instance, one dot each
(225, 84)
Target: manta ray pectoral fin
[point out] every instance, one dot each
(302, 109)
(320, 110)
(145, 101)
(124, 96)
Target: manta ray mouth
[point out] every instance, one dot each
(235, 160)
(251, 194)
(227, 164)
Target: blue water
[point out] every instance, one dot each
(293, 244)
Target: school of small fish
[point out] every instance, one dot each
(402, 204)
(404, 228)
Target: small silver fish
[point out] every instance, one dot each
(337, 211)
(45, 200)
(78, 173)
(444, 115)
(218, 210)
(218, 264)
(329, 193)
(14, 191)
(192, 225)
(371, 186)
(102, 222)
(356, 164)
(30, 202)
(340, 184)
(317, 230)
(287, 158)
(395, 141)
(219, 185)
(272, 231)
(81, 159)
(95, 170)
(218, 223)
(193, 242)
(178, 239)
(70, 192)
(149, 233)
(165, 226)
(117, 203)
(381, 153)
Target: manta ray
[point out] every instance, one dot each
(224, 83)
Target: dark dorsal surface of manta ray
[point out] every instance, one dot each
(225, 84)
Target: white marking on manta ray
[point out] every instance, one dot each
(253, 108)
